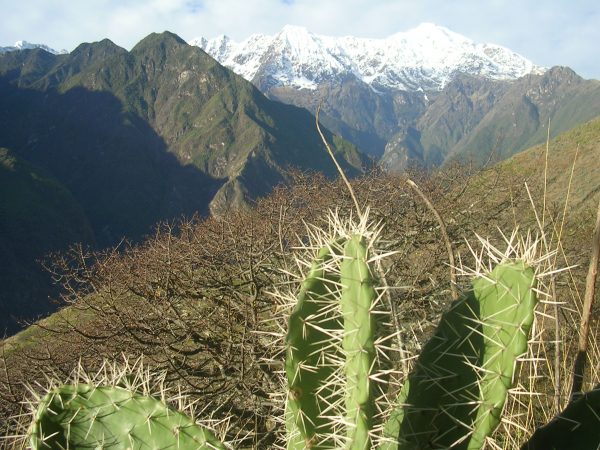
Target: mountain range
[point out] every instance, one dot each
(422, 59)
(130, 138)
(101, 143)
(24, 45)
(424, 97)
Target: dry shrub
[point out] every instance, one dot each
(193, 295)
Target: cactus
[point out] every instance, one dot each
(331, 358)
(308, 337)
(332, 322)
(88, 416)
(118, 407)
(455, 396)
(357, 302)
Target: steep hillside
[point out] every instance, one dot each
(572, 156)
(450, 116)
(155, 132)
(152, 134)
(520, 119)
(478, 120)
(351, 108)
(38, 215)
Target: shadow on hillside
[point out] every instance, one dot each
(115, 165)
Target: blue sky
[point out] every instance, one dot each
(550, 32)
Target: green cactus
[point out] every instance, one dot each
(357, 302)
(332, 326)
(309, 338)
(84, 416)
(455, 396)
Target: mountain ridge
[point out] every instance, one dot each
(423, 58)
(151, 135)
(424, 97)
(170, 84)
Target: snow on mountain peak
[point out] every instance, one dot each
(294, 30)
(24, 45)
(423, 58)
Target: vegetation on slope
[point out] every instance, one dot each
(170, 97)
(191, 297)
(475, 120)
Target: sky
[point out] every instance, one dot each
(549, 32)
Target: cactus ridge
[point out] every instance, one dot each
(357, 301)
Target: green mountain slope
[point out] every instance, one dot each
(576, 151)
(450, 116)
(476, 120)
(159, 131)
(38, 215)
(520, 119)
(355, 111)
(116, 166)
(152, 134)
(213, 119)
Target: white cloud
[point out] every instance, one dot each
(556, 32)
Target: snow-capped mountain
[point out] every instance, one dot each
(424, 58)
(24, 45)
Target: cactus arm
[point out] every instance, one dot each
(307, 340)
(87, 416)
(358, 297)
(507, 301)
(456, 393)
